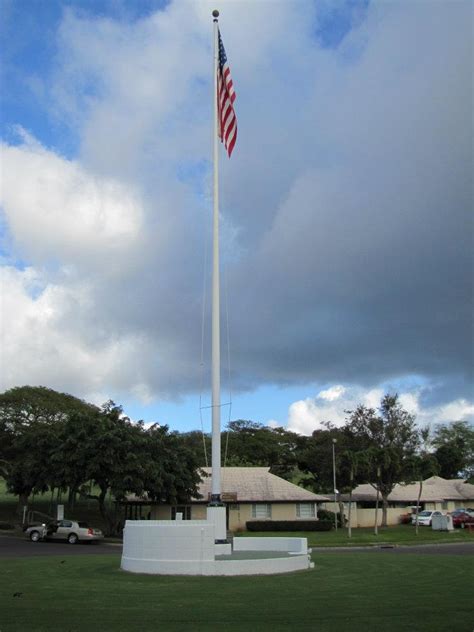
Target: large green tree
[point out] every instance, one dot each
(389, 440)
(199, 443)
(53, 441)
(120, 458)
(31, 418)
(248, 443)
(454, 449)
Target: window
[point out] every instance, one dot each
(305, 510)
(261, 511)
(444, 504)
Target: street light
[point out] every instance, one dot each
(334, 441)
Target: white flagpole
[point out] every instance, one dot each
(216, 343)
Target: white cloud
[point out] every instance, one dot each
(56, 210)
(333, 393)
(43, 340)
(456, 410)
(307, 415)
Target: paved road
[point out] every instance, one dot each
(13, 546)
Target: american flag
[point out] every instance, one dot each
(227, 121)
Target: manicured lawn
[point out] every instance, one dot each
(401, 534)
(345, 592)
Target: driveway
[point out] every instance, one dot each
(13, 546)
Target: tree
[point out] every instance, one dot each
(110, 449)
(172, 471)
(30, 422)
(389, 440)
(24, 405)
(121, 458)
(454, 449)
(199, 444)
(54, 440)
(250, 443)
(315, 458)
(421, 465)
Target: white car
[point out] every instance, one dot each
(425, 517)
(70, 530)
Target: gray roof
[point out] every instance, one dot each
(256, 484)
(435, 489)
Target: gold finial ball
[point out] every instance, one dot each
(215, 13)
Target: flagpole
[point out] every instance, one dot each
(216, 351)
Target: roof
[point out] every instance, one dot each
(255, 484)
(435, 489)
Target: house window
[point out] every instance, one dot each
(261, 511)
(305, 510)
(444, 504)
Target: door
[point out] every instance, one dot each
(63, 530)
(182, 509)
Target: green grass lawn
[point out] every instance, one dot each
(401, 534)
(345, 592)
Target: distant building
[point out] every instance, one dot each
(437, 493)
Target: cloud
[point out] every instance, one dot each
(305, 416)
(346, 207)
(48, 337)
(333, 393)
(57, 210)
(330, 405)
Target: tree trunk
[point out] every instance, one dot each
(22, 502)
(418, 505)
(108, 518)
(376, 526)
(341, 513)
(384, 511)
(71, 501)
(349, 526)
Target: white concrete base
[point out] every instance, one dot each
(297, 546)
(217, 516)
(223, 549)
(187, 547)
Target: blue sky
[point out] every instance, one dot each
(346, 206)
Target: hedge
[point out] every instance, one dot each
(289, 525)
(324, 514)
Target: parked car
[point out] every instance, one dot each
(425, 517)
(406, 518)
(462, 518)
(460, 510)
(70, 530)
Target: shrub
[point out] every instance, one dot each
(6, 526)
(289, 525)
(324, 514)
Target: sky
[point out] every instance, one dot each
(346, 208)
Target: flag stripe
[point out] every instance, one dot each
(227, 121)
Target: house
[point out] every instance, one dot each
(437, 493)
(250, 493)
